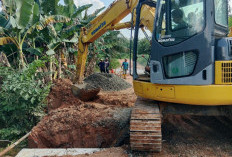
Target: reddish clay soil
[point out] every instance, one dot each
(61, 95)
(84, 126)
(72, 123)
(104, 123)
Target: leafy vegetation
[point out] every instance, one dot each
(142, 59)
(31, 30)
(114, 64)
(111, 45)
(230, 21)
(144, 46)
(22, 99)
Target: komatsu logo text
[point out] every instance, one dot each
(99, 27)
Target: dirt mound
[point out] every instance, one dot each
(71, 123)
(107, 82)
(84, 126)
(61, 95)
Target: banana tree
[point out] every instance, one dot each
(15, 23)
(15, 26)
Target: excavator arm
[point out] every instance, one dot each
(230, 34)
(109, 20)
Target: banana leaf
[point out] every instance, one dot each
(6, 40)
(27, 13)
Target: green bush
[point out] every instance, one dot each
(230, 21)
(144, 46)
(143, 60)
(22, 100)
(114, 64)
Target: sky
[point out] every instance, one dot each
(104, 3)
(99, 4)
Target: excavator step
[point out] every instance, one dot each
(145, 127)
(145, 133)
(145, 116)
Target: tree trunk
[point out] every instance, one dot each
(59, 68)
(63, 57)
(3, 60)
(21, 60)
(91, 65)
(50, 68)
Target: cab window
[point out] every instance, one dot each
(221, 12)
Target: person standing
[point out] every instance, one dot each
(107, 65)
(125, 66)
(101, 65)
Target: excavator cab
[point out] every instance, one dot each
(190, 67)
(187, 39)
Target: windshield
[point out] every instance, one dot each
(179, 20)
(221, 12)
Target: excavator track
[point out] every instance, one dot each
(145, 127)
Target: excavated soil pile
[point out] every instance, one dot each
(84, 126)
(107, 82)
(71, 123)
(61, 95)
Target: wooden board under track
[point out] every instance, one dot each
(145, 127)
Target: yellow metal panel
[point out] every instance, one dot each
(149, 91)
(139, 87)
(223, 72)
(114, 14)
(81, 59)
(211, 95)
(147, 17)
(119, 26)
(165, 92)
(218, 73)
(230, 35)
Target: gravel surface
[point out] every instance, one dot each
(107, 82)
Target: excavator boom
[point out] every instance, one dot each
(109, 20)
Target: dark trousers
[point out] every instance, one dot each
(107, 70)
(102, 70)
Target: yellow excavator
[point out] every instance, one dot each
(189, 67)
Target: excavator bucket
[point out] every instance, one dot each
(85, 92)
